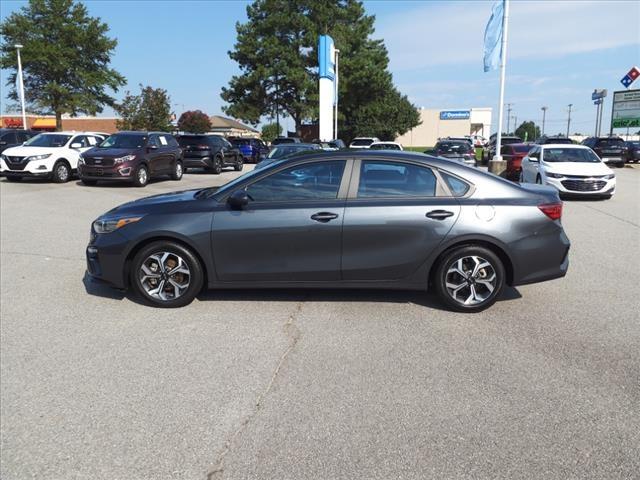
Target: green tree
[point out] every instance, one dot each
(271, 131)
(277, 53)
(151, 110)
(528, 131)
(65, 58)
(195, 121)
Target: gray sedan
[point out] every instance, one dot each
(366, 219)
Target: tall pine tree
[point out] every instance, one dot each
(277, 53)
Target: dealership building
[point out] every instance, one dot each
(447, 123)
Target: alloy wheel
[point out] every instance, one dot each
(62, 172)
(470, 280)
(164, 276)
(142, 176)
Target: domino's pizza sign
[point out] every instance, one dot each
(455, 115)
(630, 77)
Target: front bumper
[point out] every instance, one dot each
(583, 186)
(30, 168)
(106, 259)
(122, 173)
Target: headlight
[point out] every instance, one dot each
(126, 158)
(3, 158)
(610, 177)
(39, 157)
(554, 175)
(111, 224)
(80, 160)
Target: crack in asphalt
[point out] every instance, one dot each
(611, 215)
(293, 334)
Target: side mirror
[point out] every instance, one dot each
(238, 199)
(533, 159)
(76, 145)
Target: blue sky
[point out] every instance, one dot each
(559, 51)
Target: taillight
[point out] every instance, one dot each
(552, 210)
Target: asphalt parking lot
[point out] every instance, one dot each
(314, 384)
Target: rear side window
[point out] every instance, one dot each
(458, 187)
(380, 179)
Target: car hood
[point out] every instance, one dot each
(161, 203)
(578, 168)
(22, 151)
(108, 152)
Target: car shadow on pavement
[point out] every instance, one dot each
(117, 184)
(424, 299)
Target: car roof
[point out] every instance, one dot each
(136, 132)
(385, 143)
(563, 145)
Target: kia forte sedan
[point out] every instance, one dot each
(366, 219)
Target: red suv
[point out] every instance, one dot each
(513, 154)
(133, 157)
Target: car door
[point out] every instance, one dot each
(8, 139)
(155, 155)
(396, 215)
(530, 165)
(229, 152)
(291, 229)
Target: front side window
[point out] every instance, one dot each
(48, 140)
(309, 181)
(379, 179)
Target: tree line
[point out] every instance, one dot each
(66, 58)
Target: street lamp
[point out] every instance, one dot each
(21, 84)
(544, 116)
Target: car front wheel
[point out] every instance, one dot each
(469, 279)
(177, 171)
(239, 164)
(141, 177)
(61, 172)
(166, 274)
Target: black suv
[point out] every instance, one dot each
(211, 152)
(281, 140)
(11, 137)
(633, 151)
(559, 139)
(133, 157)
(609, 149)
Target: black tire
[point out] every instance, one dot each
(620, 165)
(61, 172)
(141, 177)
(239, 164)
(11, 178)
(89, 183)
(216, 166)
(484, 297)
(195, 276)
(178, 171)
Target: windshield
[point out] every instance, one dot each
(278, 141)
(521, 148)
(580, 155)
(453, 147)
(48, 140)
(559, 140)
(239, 143)
(191, 141)
(124, 141)
(611, 142)
(362, 142)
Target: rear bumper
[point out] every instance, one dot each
(542, 257)
(198, 161)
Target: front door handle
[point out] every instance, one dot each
(439, 214)
(324, 217)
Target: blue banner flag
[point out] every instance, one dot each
(493, 37)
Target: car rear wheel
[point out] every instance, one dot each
(469, 279)
(141, 178)
(239, 164)
(177, 171)
(166, 274)
(61, 172)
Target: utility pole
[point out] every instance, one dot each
(544, 116)
(277, 106)
(508, 116)
(569, 119)
(21, 92)
(598, 106)
(335, 98)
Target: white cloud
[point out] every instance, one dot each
(452, 33)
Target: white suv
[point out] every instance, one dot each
(51, 155)
(363, 142)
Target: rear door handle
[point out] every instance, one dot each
(439, 214)
(324, 217)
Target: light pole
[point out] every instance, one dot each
(569, 119)
(508, 117)
(544, 116)
(335, 98)
(21, 84)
